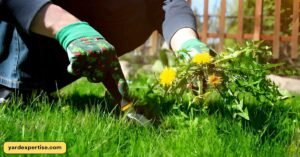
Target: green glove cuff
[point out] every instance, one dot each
(194, 44)
(75, 31)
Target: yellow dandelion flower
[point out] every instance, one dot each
(202, 58)
(167, 76)
(214, 80)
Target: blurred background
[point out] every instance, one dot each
(226, 23)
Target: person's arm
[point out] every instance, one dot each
(50, 19)
(179, 19)
(181, 36)
(21, 12)
(37, 16)
(179, 27)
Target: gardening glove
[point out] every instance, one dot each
(190, 48)
(88, 52)
(130, 113)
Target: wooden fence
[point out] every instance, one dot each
(276, 38)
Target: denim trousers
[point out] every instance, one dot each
(30, 61)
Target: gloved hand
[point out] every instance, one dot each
(192, 47)
(90, 55)
(129, 112)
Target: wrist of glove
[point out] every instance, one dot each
(88, 52)
(190, 48)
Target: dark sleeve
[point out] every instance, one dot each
(21, 12)
(177, 15)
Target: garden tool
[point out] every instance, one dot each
(130, 113)
(117, 86)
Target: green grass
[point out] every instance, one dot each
(78, 118)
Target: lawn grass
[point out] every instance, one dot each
(78, 118)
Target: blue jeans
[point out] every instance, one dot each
(31, 61)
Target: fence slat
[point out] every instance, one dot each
(258, 19)
(222, 24)
(240, 20)
(277, 38)
(276, 35)
(205, 22)
(247, 36)
(154, 43)
(295, 29)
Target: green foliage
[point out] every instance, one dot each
(196, 120)
(78, 118)
(236, 77)
(90, 132)
(244, 95)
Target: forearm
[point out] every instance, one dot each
(182, 36)
(179, 18)
(50, 19)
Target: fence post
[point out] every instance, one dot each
(258, 19)
(276, 35)
(240, 21)
(205, 23)
(295, 29)
(222, 24)
(154, 43)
